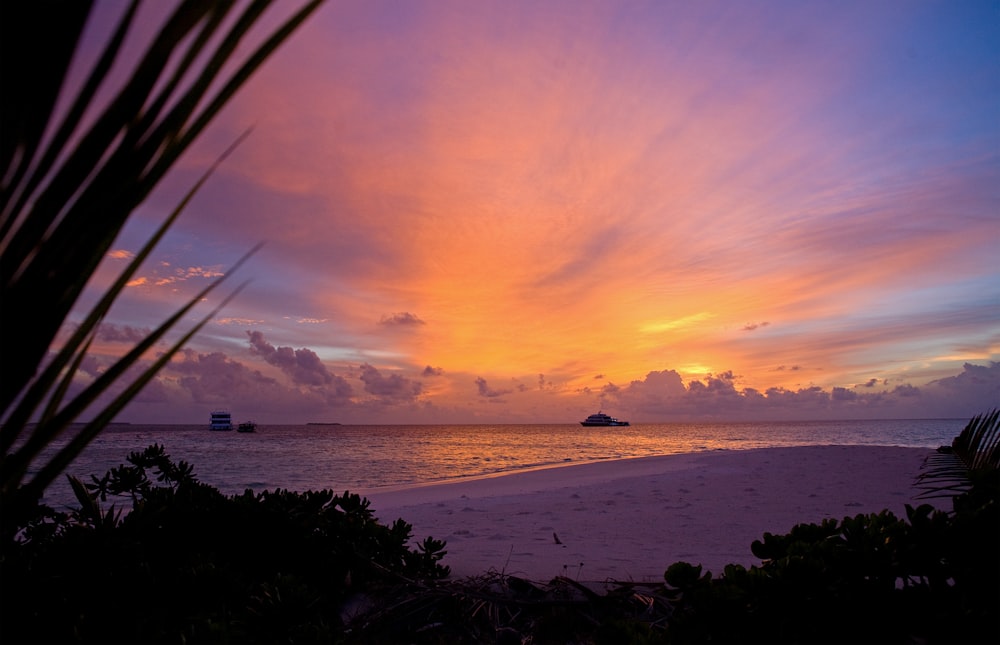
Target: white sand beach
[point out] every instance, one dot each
(629, 519)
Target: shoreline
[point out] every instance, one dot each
(628, 519)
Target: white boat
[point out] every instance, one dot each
(221, 420)
(601, 419)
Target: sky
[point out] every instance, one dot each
(526, 212)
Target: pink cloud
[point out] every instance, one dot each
(394, 387)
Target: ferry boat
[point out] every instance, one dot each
(601, 419)
(221, 420)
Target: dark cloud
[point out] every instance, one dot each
(401, 319)
(753, 326)
(486, 391)
(190, 385)
(974, 390)
(666, 384)
(215, 379)
(303, 366)
(110, 333)
(92, 366)
(432, 371)
(906, 391)
(610, 388)
(981, 378)
(719, 385)
(394, 387)
(843, 394)
(664, 396)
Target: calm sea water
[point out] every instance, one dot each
(356, 458)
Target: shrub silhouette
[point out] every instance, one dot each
(183, 562)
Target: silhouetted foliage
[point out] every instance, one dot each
(186, 563)
(870, 578)
(181, 561)
(971, 461)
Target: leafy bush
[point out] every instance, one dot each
(189, 564)
(933, 577)
(870, 578)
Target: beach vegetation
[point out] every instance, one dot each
(154, 555)
(172, 559)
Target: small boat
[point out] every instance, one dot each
(601, 419)
(221, 420)
(247, 426)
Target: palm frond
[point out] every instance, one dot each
(66, 192)
(951, 470)
(70, 216)
(77, 344)
(51, 469)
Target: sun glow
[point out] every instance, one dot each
(673, 325)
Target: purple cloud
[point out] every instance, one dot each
(303, 366)
(401, 319)
(393, 387)
(486, 391)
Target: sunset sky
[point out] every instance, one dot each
(528, 211)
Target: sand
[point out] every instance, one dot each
(628, 519)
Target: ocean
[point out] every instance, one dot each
(360, 458)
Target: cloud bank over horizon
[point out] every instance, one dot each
(303, 389)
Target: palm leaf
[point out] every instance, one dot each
(31, 67)
(953, 469)
(109, 172)
(78, 342)
(82, 438)
(65, 198)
